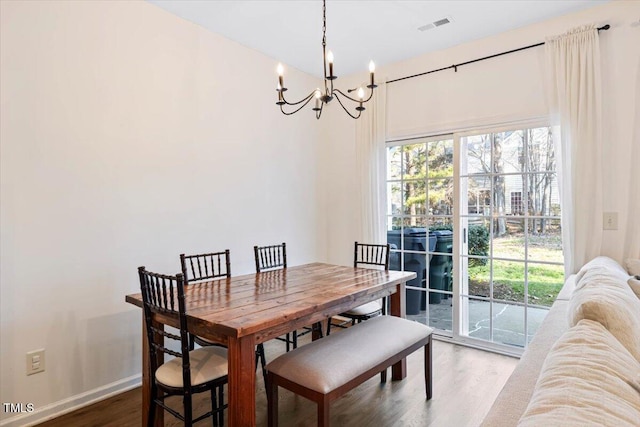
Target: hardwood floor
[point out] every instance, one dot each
(466, 381)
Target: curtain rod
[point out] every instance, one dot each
(455, 66)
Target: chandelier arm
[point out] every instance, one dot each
(345, 109)
(319, 113)
(306, 98)
(298, 109)
(370, 96)
(353, 99)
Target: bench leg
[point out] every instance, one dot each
(324, 417)
(428, 375)
(272, 401)
(383, 376)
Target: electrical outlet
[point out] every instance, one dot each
(610, 221)
(35, 361)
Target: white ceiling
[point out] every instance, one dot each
(357, 31)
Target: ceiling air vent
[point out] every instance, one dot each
(434, 24)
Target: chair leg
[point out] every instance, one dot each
(324, 417)
(188, 409)
(383, 376)
(287, 342)
(295, 339)
(214, 407)
(316, 330)
(221, 404)
(260, 356)
(272, 402)
(329, 326)
(151, 419)
(428, 373)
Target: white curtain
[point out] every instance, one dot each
(632, 244)
(574, 90)
(370, 169)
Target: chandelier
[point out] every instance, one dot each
(328, 93)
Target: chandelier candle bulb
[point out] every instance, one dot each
(361, 96)
(330, 61)
(372, 68)
(317, 95)
(280, 77)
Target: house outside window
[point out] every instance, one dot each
(516, 203)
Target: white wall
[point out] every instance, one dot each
(496, 91)
(130, 136)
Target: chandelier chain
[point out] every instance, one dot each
(324, 24)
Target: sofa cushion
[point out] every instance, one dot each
(588, 378)
(604, 296)
(633, 266)
(604, 263)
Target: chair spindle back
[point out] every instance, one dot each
(270, 257)
(205, 266)
(369, 254)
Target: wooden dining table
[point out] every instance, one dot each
(243, 311)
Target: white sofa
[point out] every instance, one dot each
(583, 365)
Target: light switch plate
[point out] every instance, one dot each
(35, 361)
(610, 221)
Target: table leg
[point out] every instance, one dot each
(398, 308)
(146, 376)
(242, 381)
(317, 330)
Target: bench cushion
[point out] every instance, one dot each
(328, 363)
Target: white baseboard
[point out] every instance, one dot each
(72, 403)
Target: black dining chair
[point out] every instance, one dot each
(189, 371)
(211, 266)
(374, 255)
(274, 257)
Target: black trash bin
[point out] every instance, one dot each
(415, 239)
(440, 266)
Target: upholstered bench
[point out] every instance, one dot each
(325, 369)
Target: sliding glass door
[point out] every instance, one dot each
(477, 217)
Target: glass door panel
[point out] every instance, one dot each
(511, 259)
(420, 208)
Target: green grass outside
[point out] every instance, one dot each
(544, 280)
